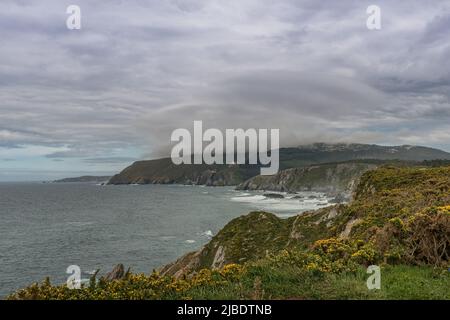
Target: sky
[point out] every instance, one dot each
(92, 101)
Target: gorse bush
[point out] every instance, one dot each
(289, 274)
(154, 286)
(423, 238)
(133, 286)
(428, 236)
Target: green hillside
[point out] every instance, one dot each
(163, 171)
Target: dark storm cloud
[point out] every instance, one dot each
(139, 69)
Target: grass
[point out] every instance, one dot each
(397, 282)
(272, 278)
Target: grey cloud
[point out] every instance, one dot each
(437, 29)
(139, 69)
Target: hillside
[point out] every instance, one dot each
(399, 220)
(396, 212)
(163, 171)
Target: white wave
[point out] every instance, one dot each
(208, 233)
(91, 272)
(190, 241)
(255, 198)
(284, 207)
(243, 194)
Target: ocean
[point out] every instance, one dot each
(45, 227)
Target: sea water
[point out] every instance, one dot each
(44, 228)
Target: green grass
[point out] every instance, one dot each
(397, 282)
(269, 278)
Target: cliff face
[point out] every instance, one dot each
(401, 214)
(163, 171)
(329, 178)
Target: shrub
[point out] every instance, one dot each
(428, 238)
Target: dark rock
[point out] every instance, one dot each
(117, 273)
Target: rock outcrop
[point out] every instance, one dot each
(118, 272)
(335, 179)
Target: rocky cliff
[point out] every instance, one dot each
(334, 179)
(400, 215)
(163, 171)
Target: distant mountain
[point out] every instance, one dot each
(325, 153)
(97, 179)
(163, 171)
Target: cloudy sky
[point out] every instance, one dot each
(96, 99)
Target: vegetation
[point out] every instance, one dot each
(285, 276)
(399, 219)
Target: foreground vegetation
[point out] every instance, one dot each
(281, 277)
(399, 219)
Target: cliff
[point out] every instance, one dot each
(401, 215)
(333, 179)
(163, 171)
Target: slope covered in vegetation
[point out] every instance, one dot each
(163, 171)
(399, 219)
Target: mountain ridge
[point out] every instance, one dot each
(163, 171)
